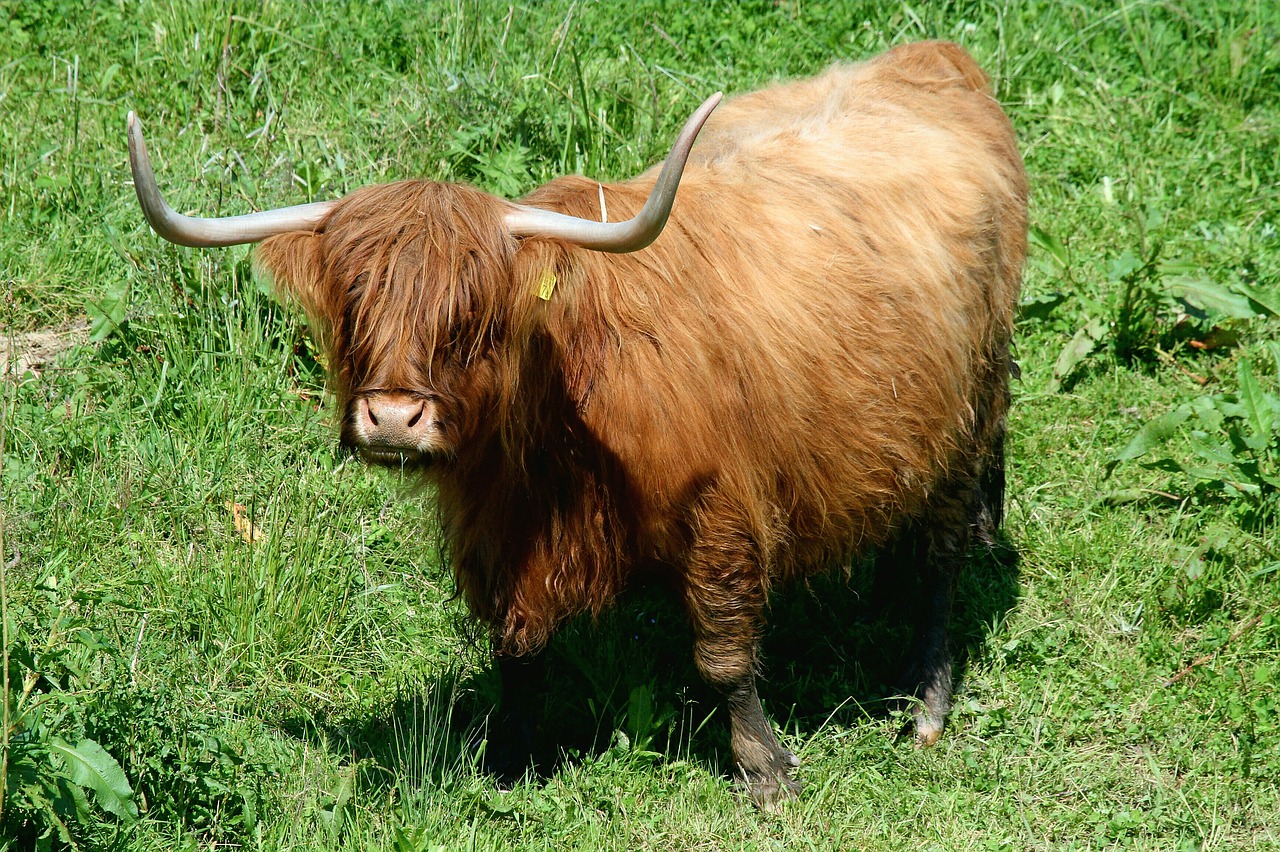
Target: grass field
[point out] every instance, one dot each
(172, 684)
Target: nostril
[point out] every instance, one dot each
(393, 418)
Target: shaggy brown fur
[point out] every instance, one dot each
(812, 360)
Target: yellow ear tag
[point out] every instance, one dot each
(546, 285)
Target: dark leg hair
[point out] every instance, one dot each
(942, 539)
(509, 750)
(724, 595)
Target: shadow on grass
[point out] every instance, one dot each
(628, 681)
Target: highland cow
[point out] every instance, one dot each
(811, 363)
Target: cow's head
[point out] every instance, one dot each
(404, 285)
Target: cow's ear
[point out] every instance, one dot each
(294, 263)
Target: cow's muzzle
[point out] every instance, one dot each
(393, 428)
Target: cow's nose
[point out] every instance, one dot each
(392, 419)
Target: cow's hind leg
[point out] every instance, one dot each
(942, 539)
(763, 765)
(724, 595)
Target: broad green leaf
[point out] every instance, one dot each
(60, 825)
(1214, 476)
(1209, 412)
(1046, 242)
(1077, 349)
(1227, 408)
(1155, 215)
(1124, 266)
(1202, 405)
(1258, 415)
(1213, 297)
(1239, 442)
(1152, 434)
(70, 801)
(1266, 308)
(335, 816)
(108, 314)
(640, 713)
(1217, 453)
(1040, 307)
(89, 765)
(1121, 496)
(1249, 488)
(249, 809)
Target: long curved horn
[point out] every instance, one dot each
(207, 233)
(619, 237)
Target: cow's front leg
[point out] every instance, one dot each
(724, 597)
(509, 750)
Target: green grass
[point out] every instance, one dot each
(317, 689)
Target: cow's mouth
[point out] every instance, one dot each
(397, 458)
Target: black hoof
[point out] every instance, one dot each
(508, 759)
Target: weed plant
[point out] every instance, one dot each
(219, 631)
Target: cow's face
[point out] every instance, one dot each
(403, 288)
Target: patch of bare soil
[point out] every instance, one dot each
(35, 349)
